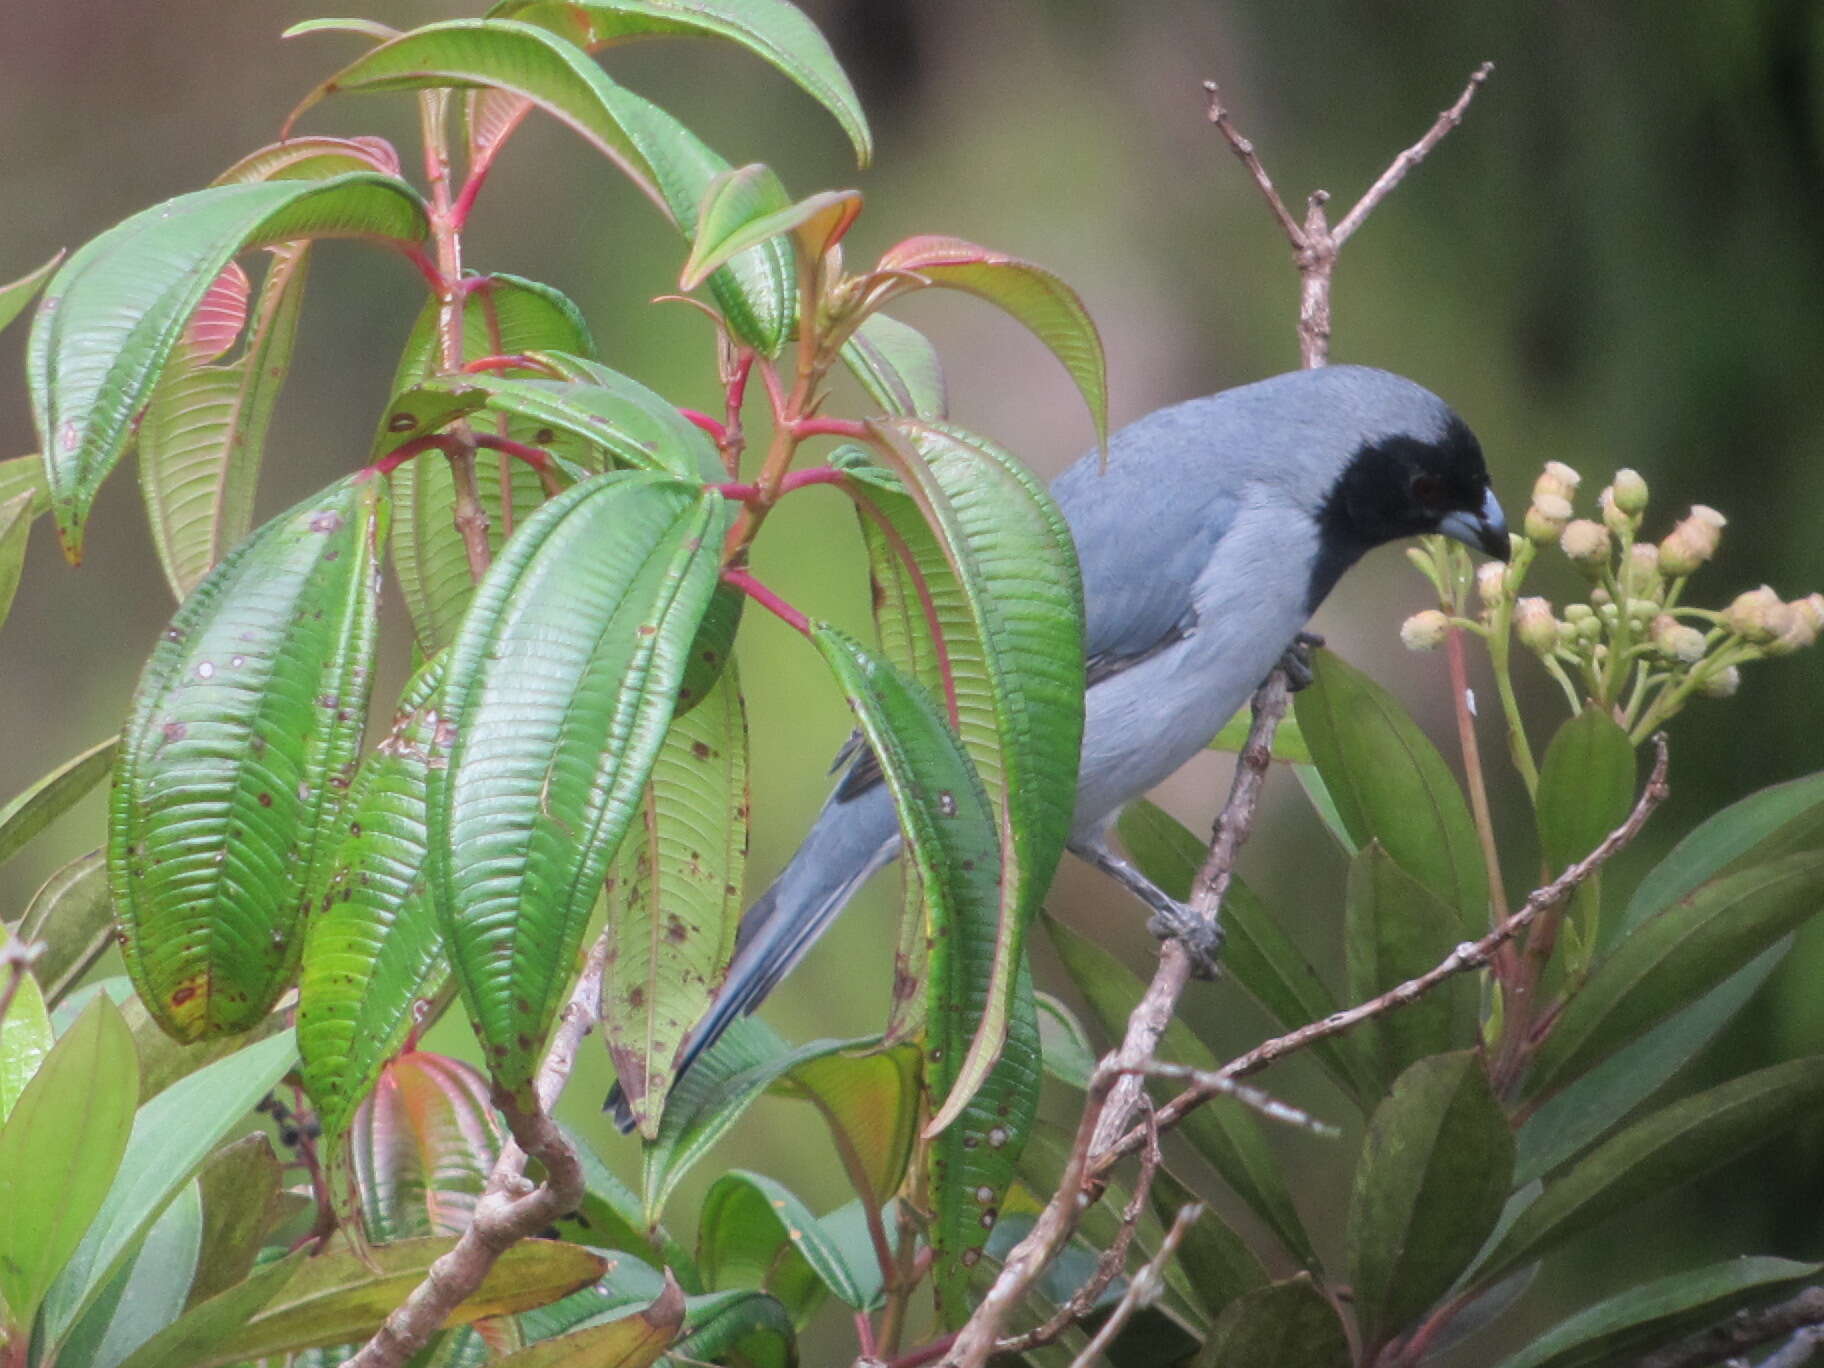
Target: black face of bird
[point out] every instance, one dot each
(1406, 486)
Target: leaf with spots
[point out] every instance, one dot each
(674, 899)
(117, 309)
(559, 689)
(241, 743)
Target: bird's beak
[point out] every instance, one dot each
(1485, 530)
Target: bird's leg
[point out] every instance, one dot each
(1171, 919)
(1296, 662)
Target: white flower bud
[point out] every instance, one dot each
(1587, 545)
(1758, 616)
(1640, 572)
(1807, 621)
(1677, 641)
(1630, 492)
(1614, 517)
(1546, 519)
(1491, 582)
(1535, 625)
(1722, 684)
(1424, 631)
(1578, 612)
(1558, 480)
(1692, 542)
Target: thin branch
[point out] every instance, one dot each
(1800, 1317)
(1141, 1289)
(1411, 157)
(1244, 149)
(1469, 955)
(511, 1209)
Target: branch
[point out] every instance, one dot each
(1801, 1318)
(512, 1209)
(1411, 157)
(1141, 1289)
(1469, 955)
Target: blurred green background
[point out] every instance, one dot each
(1618, 260)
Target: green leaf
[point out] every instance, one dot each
(45, 801)
(503, 315)
(1224, 1132)
(240, 1185)
(1067, 1053)
(1390, 784)
(1218, 1263)
(204, 431)
(1586, 786)
(1015, 664)
(60, 1148)
(186, 1342)
(774, 31)
(422, 1147)
(15, 527)
(72, 918)
(1660, 1312)
(1257, 954)
(16, 294)
(746, 1216)
(1289, 1325)
(373, 946)
(740, 210)
(662, 157)
(1583, 1111)
(870, 1103)
(25, 1034)
(1288, 741)
(1667, 1149)
(147, 1294)
(19, 474)
(336, 1299)
(560, 686)
(1430, 1184)
(172, 1135)
(1778, 820)
(631, 1341)
(610, 1217)
(117, 308)
(314, 158)
(742, 1327)
(241, 744)
(1049, 309)
(899, 368)
(1673, 958)
(1395, 929)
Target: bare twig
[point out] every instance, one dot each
(1141, 1289)
(512, 1209)
(1411, 157)
(1469, 955)
(1801, 1317)
(1244, 149)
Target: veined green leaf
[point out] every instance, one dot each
(1217, 1262)
(15, 528)
(747, 1216)
(949, 835)
(72, 918)
(422, 1146)
(373, 946)
(1288, 741)
(20, 474)
(240, 1186)
(899, 368)
(31, 812)
(1049, 308)
(60, 1148)
(1586, 786)
(242, 740)
(1659, 1153)
(1673, 958)
(314, 158)
(16, 294)
(204, 431)
(773, 30)
(675, 898)
(117, 308)
(869, 1101)
(503, 315)
(559, 688)
(662, 157)
(1015, 668)
(1390, 784)
(185, 1342)
(610, 1217)
(747, 206)
(1659, 1313)
(633, 1340)
(1068, 1055)
(147, 1294)
(25, 1035)
(1430, 1184)
(1289, 1324)
(172, 1135)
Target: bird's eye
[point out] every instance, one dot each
(1428, 490)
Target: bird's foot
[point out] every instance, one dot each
(1201, 938)
(1296, 662)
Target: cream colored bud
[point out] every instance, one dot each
(1546, 519)
(1722, 684)
(1692, 542)
(1630, 492)
(1677, 641)
(1424, 631)
(1614, 517)
(1642, 610)
(1807, 620)
(1491, 582)
(1640, 572)
(1557, 480)
(1578, 612)
(1758, 616)
(1568, 635)
(1587, 544)
(1421, 559)
(1535, 625)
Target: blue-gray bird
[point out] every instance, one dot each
(1213, 533)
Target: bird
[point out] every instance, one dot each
(1206, 540)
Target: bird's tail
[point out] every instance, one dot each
(851, 839)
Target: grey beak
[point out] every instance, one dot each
(1485, 530)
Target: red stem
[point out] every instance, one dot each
(536, 457)
(426, 266)
(510, 361)
(830, 427)
(718, 431)
(767, 599)
(864, 1334)
(399, 455)
(925, 1353)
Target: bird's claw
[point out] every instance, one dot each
(1201, 939)
(1296, 662)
